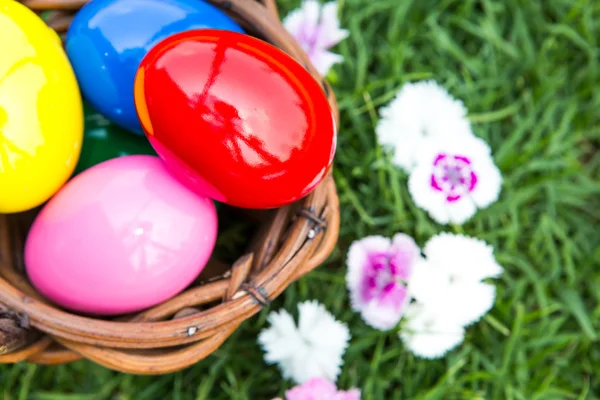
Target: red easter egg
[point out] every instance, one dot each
(235, 118)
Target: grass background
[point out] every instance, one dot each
(528, 71)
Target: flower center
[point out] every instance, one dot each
(381, 275)
(382, 279)
(453, 175)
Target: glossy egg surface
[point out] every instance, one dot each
(235, 118)
(121, 236)
(41, 114)
(108, 38)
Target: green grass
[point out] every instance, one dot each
(528, 71)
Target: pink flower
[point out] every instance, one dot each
(320, 389)
(317, 28)
(378, 269)
(453, 177)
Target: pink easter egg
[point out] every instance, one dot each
(120, 237)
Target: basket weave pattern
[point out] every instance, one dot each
(291, 241)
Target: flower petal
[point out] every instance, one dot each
(352, 394)
(323, 60)
(304, 20)
(468, 302)
(281, 340)
(386, 312)
(428, 334)
(465, 257)
(358, 257)
(308, 367)
(320, 389)
(420, 111)
(461, 302)
(407, 253)
(294, 22)
(314, 388)
(461, 210)
(427, 283)
(489, 185)
(425, 196)
(316, 364)
(275, 338)
(304, 25)
(325, 337)
(312, 350)
(330, 32)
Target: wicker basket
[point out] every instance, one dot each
(289, 242)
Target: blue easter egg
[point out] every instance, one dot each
(108, 39)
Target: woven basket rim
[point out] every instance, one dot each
(73, 322)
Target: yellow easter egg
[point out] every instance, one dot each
(41, 111)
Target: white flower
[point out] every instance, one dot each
(453, 177)
(378, 269)
(317, 28)
(428, 333)
(420, 111)
(313, 349)
(450, 283)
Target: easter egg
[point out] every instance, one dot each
(121, 236)
(108, 38)
(235, 118)
(41, 115)
(104, 140)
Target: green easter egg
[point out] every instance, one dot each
(104, 140)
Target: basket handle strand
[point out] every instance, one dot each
(271, 6)
(77, 4)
